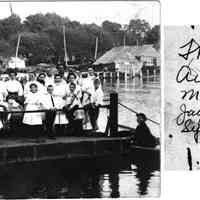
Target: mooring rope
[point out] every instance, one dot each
(130, 109)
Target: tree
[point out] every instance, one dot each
(36, 46)
(35, 23)
(115, 31)
(10, 26)
(6, 49)
(111, 26)
(153, 35)
(137, 29)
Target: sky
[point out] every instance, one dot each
(89, 12)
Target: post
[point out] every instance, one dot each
(141, 78)
(126, 76)
(104, 75)
(17, 49)
(118, 80)
(147, 75)
(96, 49)
(124, 39)
(111, 75)
(117, 74)
(154, 75)
(113, 114)
(64, 44)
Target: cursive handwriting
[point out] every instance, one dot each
(186, 113)
(188, 74)
(185, 119)
(193, 46)
(191, 94)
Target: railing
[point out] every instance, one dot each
(112, 124)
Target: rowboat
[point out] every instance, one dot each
(150, 154)
(148, 149)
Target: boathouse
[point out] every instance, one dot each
(131, 59)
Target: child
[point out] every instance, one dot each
(33, 121)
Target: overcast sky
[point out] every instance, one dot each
(89, 12)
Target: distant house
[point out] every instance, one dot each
(16, 63)
(131, 58)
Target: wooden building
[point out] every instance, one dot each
(131, 59)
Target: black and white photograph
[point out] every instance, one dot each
(80, 99)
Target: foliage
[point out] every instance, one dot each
(42, 37)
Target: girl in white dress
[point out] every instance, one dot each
(33, 121)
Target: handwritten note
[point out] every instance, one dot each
(188, 74)
(182, 97)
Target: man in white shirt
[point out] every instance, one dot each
(49, 80)
(72, 102)
(59, 92)
(49, 103)
(72, 79)
(74, 116)
(96, 101)
(60, 86)
(91, 74)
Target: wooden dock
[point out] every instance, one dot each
(87, 144)
(20, 150)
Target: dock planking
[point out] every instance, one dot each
(20, 150)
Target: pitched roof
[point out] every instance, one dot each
(127, 54)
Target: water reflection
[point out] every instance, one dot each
(116, 177)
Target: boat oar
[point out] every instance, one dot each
(137, 113)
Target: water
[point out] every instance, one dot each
(108, 177)
(133, 175)
(143, 98)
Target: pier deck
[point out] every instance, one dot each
(19, 150)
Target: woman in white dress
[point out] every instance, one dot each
(33, 121)
(14, 87)
(32, 79)
(59, 92)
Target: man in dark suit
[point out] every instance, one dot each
(143, 136)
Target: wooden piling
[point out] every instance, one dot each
(147, 75)
(154, 75)
(113, 114)
(104, 75)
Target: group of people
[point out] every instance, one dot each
(58, 96)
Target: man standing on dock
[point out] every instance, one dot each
(49, 103)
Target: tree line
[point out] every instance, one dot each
(42, 37)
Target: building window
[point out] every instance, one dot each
(149, 61)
